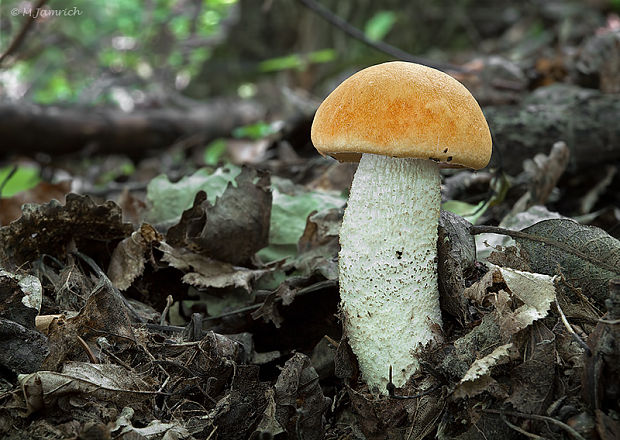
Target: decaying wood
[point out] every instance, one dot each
(585, 119)
(31, 128)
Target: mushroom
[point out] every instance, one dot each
(401, 121)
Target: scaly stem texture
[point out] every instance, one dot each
(388, 276)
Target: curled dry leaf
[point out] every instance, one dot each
(528, 298)
(205, 272)
(20, 297)
(105, 382)
(535, 291)
(318, 247)
(103, 314)
(71, 285)
(532, 380)
(456, 261)
(269, 424)
(212, 359)
(156, 429)
(520, 299)
(48, 229)
(235, 227)
(128, 258)
(478, 377)
(240, 411)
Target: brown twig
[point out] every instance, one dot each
(89, 352)
(519, 429)
(571, 330)
(169, 301)
(381, 46)
(21, 35)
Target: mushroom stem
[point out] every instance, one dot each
(388, 275)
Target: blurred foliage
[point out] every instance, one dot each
(14, 179)
(214, 152)
(298, 61)
(122, 169)
(254, 131)
(77, 57)
(380, 24)
(135, 52)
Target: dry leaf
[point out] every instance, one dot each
(127, 262)
(456, 249)
(11, 207)
(233, 229)
(205, 272)
(102, 381)
(48, 229)
(300, 403)
(535, 291)
(478, 378)
(586, 256)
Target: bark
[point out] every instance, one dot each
(585, 119)
(28, 128)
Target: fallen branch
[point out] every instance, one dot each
(28, 128)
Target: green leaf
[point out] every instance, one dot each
(169, 200)
(22, 179)
(57, 88)
(469, 212)
(288, 219)
(379, 25)
(124, 168)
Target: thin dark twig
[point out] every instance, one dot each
(21, 35)
(7, 178)
(562, 425)
(381, 46)
(475, 230)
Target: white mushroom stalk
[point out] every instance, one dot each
(388, 277)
